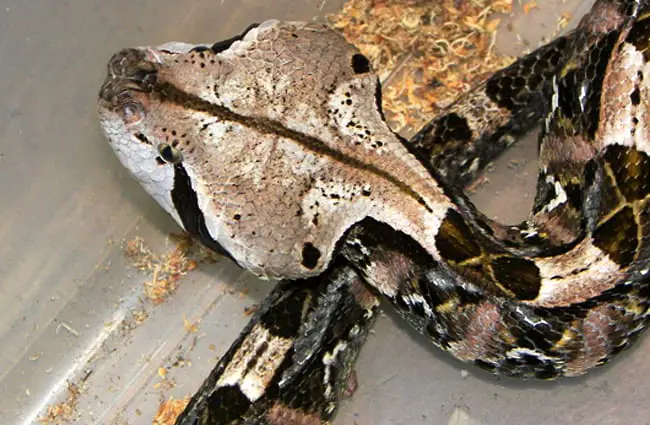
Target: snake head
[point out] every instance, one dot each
(268, 146)
(132, 116)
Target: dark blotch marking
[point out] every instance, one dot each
(631, 169)
(596, 71)
(452, 127)
(187, 205)
(226, 404)
(220, 46)
(603, 196)
(310, 255)
(591, 169)
(455, 240)
(286, 316)
(378, 101)
(360, 64)
(582, 116)
(141, 137)
(638, 36)
(618, 237)
(545, 193)
(519, 275)
(517, 88)
(574, 194)
(200, 49)
(259, 352)
(635, 96)
(547, 372)
(167, 154)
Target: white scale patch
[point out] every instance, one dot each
(583, 96)
(560, 195)
(415, 299)
(528, 319)
(529, 232)
(140, 159)
(251, 369)
(614, 128)
(555, 102)
(575, 276)
(519, 353)
(241, 47)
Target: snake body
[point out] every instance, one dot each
(271, 148)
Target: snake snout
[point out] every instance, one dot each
(128, 69)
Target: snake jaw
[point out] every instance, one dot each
(126, 110)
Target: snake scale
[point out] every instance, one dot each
(271, 148)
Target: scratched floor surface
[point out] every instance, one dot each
(67, 295)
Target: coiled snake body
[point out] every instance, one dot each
(272, 149)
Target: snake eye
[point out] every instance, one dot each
(132, 113)
(169, 154)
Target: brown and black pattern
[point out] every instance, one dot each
(473, 257)
(334, 313)
(559, 294)
(483, 123)
(592, 202)
(621, 225)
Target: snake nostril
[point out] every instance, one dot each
(121, 62)
(128, 70)
(132, 113)
(146, 78)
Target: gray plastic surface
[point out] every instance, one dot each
(66, 206)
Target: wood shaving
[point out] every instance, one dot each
(563, 21)
(427, 53)
(248, 311)
(169, 410)
(162, 372)
(63, 411)
(168, 268)
(191, 327)
(529, 6)
(477, 184)
(139, 316)
(68, 328)
(164, 384)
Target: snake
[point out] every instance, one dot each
(272, 149)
